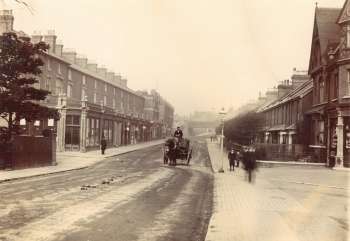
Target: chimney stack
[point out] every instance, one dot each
(59, 48)
(124, 82)
(70, 55)
(92, 67)
(6, 21)
(117, 79)
(50, 39)
(36, 37)
(102, 71)
(82, 61)
(110, 77)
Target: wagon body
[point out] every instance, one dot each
(175, 149)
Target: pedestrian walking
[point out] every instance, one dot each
(232, 159)
(249, 162)
(238, 158)
(103, 145)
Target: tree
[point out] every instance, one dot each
(243, 128)
(20, 64)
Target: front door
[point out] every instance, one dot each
(72, 137)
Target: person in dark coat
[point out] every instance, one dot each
(103, 145)
(238, 158)
(249, 162)
(232, 158)
(178, 133)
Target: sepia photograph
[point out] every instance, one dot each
(174, 120)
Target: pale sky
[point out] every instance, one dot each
(199, 54)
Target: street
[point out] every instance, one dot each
(128, 197)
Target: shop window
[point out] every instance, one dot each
(348, 83)
(284, 139)
(347, 136)
(320, 133)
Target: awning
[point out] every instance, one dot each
(316, 110)
(291, 127)
(277, 128)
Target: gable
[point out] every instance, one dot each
(345, 13)
(326, 31)
(315, 54)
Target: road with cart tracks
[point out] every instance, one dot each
(128, 197)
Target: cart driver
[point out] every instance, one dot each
(178, 133)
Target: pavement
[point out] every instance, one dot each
(269, 209)
(68, 161)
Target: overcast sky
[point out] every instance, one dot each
(199, 54)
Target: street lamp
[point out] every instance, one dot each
(222, 113)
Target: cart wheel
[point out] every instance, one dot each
(189, 156)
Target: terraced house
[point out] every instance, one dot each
(93, 102)
(329, 69)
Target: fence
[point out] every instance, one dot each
(285, 152)
(28, 151)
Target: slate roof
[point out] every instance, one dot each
(298, 92)
(328, 29)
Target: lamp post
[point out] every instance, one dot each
(222, 113)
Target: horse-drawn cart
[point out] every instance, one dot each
(174, 149)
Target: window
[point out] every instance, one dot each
(320, 132)
(114, 91)
(84, 80)
(348, 36)
(113, 103)
(95, 84)
(95, 98)
(105, 100)
(348, 83)
(105, 87)
(321, 91)
(69, 74)
(336, 84)
(69, 90)
(59, 87)
(22, 122)
(50, 122)
(48, 64)
(47, 84)
(83, 95)
(59, 68)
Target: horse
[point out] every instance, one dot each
(171, 152)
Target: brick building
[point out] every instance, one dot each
(93, 102)
(329, 69)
